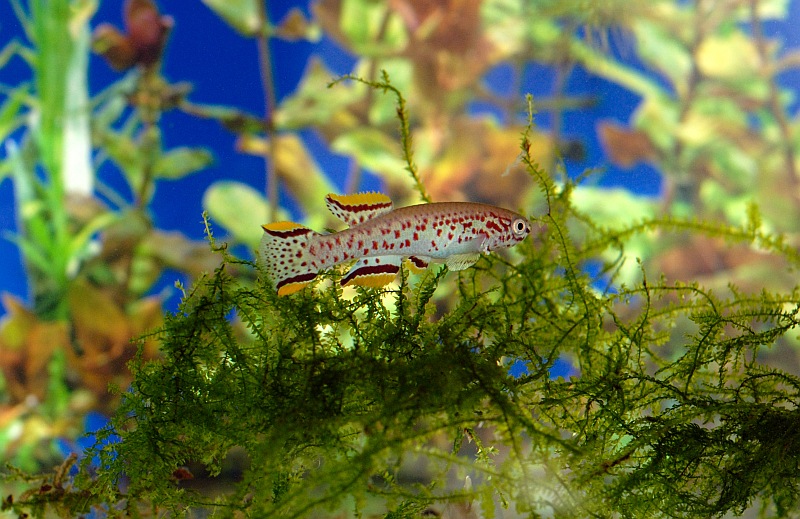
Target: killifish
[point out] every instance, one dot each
(381, 237)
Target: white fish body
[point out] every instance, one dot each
(381, 237)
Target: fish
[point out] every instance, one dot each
(381, 237)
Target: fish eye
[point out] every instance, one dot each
(520, 226)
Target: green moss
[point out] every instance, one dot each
(332, 397)
(335, 398)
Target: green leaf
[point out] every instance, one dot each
(373, 149)
(242, 15)
(615, 208)
(239, 208)
(80, 242)
(125, 153)
(9, 113)
(11, 49)
(179, 162)
(663, 51)
(314, 103)
(372, 28)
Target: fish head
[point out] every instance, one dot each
(508, 230)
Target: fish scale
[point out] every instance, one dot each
(381, 237)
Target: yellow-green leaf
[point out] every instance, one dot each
(238, 208)
(182, 161)
(242, 15)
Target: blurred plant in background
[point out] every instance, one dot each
(712, 118)
(91, 253)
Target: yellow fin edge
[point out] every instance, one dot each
(291, 288)
(370, 198)
(282, 226)
(372, 281)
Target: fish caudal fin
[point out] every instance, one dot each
(284, 249)
(373, 272)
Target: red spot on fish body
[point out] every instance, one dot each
(416, 236)
(396, 233)
(493, 226)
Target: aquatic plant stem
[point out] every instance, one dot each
(774, 103)
(270, 103)
(684, 187)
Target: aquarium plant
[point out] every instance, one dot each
(440, 394)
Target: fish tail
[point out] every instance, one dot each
(285, 252)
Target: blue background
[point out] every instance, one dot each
(223, 69)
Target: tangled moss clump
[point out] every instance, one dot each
(333, 397)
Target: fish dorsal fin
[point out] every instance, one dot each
(358, 208)
(462, 261)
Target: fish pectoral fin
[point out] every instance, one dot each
(373, 272)
(358, 208)
(417, 264)
(462, 261)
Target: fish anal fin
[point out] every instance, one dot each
(292, 287)
(417, 264)
(373, 272)
(462, 261)
(358, 208)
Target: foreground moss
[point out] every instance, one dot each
(400, 401)
(334, 397)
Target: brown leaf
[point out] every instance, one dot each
(704, 259)
(477, 161)
(106, 334)
(175, 250)
(147, 29)
(114, 46)
(26, 347)
(294, 26)
(143, 41)
(102, 334)
(623, 146)
(447, 47)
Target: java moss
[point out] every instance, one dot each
(334, 397)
